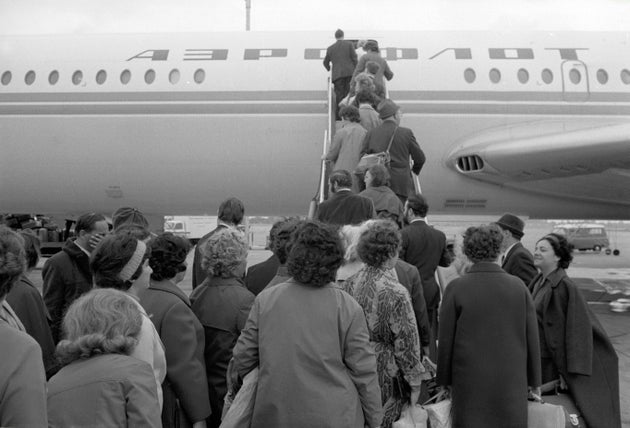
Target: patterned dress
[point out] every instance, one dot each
(393, 333)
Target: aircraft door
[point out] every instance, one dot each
(575, 81)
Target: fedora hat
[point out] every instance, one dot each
(513, 224)
(387, 108)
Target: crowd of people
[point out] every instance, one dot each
(343, 320)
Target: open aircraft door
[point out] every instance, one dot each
(575, 81)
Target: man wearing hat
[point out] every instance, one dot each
(403, 145)
(516, 260)
(344, 59)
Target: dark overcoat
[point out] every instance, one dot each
(519, 262)
(29, 306)
(345, 207)
(581, 351)
(67, 277)
(488, 348)
(259, 275)
(403, 146)
(222, 306)
(183, 338)
(409, 278)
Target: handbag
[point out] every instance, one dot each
(439, 413)
(241, 410)
(572, 415)
(369, 160)
(412, 417)
(544, 415)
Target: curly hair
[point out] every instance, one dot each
(561, 248)
(316, 254)
(110, 257)
(482, 243)
(12, 259)
(168, 256)
(380, 175)
(351, 113)
(280, 237)
(379, 243)
(103, 321)
(223, 252)
(349, 235)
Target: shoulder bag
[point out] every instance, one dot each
(381, 158)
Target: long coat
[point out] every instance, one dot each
(222, 306)
(29, 306)
(519, 262)
(404, 145)
(67, 277)
(383, 72)
(22, 380)
(317, 368)
(183, 338)
(488, 348)
(581, 351)
(345, 149)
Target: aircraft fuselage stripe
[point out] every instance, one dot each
(310, 102)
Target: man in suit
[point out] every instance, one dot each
(425, 248)
(344, 59)
(516, 259)
(344, 207)
(231, 214)
(403, 145)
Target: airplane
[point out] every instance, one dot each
(531, 123)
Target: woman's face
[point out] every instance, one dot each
(544, 256)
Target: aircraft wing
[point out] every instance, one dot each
(578, 160)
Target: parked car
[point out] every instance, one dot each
(584, 236)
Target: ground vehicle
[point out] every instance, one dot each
(584, 236)
(191, 227)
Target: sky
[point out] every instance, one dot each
(148, 16)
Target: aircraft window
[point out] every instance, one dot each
(101, 77)
(30, 77)
(523, 76)
(125, 77)
(149, 77)
(575, 76)
(470, 75)
(547, 76)
(200, 75)
(77, 77)
(6, 78)
(625, 76)
(174, 76)
(53, 77)
(495, 75)
(602, 76)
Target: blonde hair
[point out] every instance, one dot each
(223, 252)
(103, 321)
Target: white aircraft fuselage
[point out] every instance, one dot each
(532, 123)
